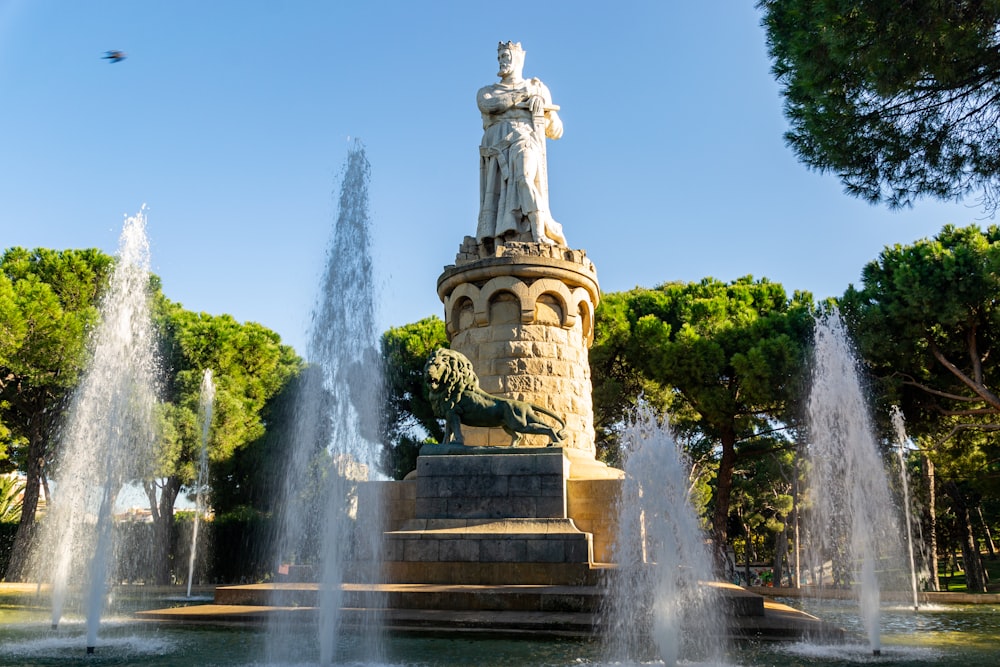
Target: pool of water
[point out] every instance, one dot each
(951, 636)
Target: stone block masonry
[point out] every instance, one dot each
(528, 485)
(524, 314)
(487, 516)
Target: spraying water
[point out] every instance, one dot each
(899, 426)
(335, 444)
(852, 520)
(205, 405)
(109, 435)
(659, 591)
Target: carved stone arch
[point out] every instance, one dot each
(490, 292)
(560, 292)
(465, 295)
(583, 305)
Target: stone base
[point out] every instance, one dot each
(489, 516)
(460, 551)
(590, 499)
(457, 610)
(457, 482)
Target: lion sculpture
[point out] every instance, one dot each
(455, 396)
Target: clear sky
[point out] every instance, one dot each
(231, 121)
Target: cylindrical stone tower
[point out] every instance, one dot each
(524, 316)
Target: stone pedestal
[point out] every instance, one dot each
(523, 313)
(529, 484)
(490, 517)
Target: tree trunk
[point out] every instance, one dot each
(986, 532)
(18, 567)
(797, 564)
(746, 554)
(931, 517)
(723, 492)
(162, 510)
(975, 580)
(780, 551)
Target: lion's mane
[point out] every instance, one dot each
(455, 377)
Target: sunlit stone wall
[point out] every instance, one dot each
(523, 313)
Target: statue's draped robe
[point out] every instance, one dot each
(511, 176)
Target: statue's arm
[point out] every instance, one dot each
(542, 101)
(493, 100)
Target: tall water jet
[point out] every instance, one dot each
(659, 592)
(852, 520)
(336, 441)
(899, 427)
(108, 438)
(205, 405)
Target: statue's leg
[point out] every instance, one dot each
(532, 201)
(515, 437)
(553, 230)
(537, 427)
(454, 423)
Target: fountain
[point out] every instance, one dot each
(853, 524)
(108, 437)
(492, 534)
(205, 405)
(660, 587)
(337, 429)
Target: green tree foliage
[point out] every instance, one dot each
(927, 323)
(249, 483)
(726, 359)
(11, 498)
(409, 417)
(48, 301)
(250, 365)
(762, 503)
(617, 381)
(897, 97)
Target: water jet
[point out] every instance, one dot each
(205, 413)
(108, 437)
(899, 427)
(853, 524)
(336, 429)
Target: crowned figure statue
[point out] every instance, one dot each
(518, 115)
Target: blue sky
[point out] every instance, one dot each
(231, 122)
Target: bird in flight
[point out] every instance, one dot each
(114, 56)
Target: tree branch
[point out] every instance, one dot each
(979, 389)
(958, 428)
(937, 392)
(968, 413)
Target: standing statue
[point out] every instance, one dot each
(518, 115)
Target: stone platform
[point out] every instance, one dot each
(551, 611)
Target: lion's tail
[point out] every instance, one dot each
(549, 413)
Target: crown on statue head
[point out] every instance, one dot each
(515, 47)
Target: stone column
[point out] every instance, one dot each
(523, 313)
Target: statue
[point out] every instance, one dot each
(455, 396)
(518, 115)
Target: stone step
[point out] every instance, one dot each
(520, 597)
(483, 541)
(518, 623)
(490, 574)
(575, 599)
(504, 610)
(566, 624)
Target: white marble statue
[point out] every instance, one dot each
(518, 115)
